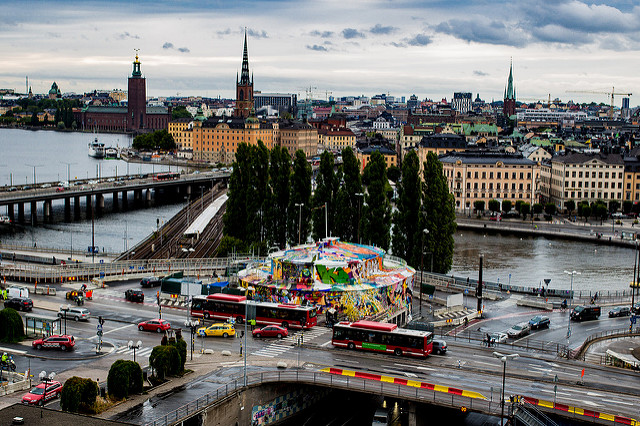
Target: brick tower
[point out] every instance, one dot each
(244, 87)
(137, 99)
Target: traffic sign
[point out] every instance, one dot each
(99, 327)
(99, 333)
(633, 319)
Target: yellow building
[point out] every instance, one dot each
(364, 155)
(474, 176)
(295, 135)
(180, 129)
(336, 139)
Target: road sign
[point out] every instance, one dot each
(99, 333)
(633, 319)
(99, 327)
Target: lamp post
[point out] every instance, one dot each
(359, 194)
(68, 170)
(572, 273)
(504, 359)
(193, 325)
(299, 220)
(634, 281)
(93, 237)
(34, 172)
(45, 379)
(65, 309)
(425, 231)
(134, 346)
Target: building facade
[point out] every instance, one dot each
(295, 135)
(364, 156)
(461, 102)
(336, 139)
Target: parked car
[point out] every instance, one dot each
(497, 337)
(583, 313)
(157, 325)
(42, 393)
(495, 218)
(539, 321)
(45, 185)
(271, 331)
(519, 330)
(60, 189)
(619, 311)
(150, 282)
(19, 303)
(511, 215)
(63, 342)
(74, 312)
(13, 188)
(218, 330)
(133, 295)
(439, 346)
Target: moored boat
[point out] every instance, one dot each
(96, 149)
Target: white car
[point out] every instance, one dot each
(498, 337)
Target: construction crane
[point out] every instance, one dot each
(539, 100)
(612, 93)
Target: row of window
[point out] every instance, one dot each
(499, 175)
(497, 195)
(572, 184)
(605, 195)
(593, 174)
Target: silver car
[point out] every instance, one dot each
(519, 330)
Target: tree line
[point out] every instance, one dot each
(271, 203)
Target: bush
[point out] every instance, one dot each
(165, 360)
(79, 395)
(125, 378)
(11, 326)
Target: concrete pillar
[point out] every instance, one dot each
(115, 201)
(21, 212)
(10, 213)
(34, 213)
(67, 209)
(89, 206)
(99, 203)
(148, 197)
(46, 212)
(412, 418)
(137, 197)
(76, 208)
(125, 200)
(189, 191)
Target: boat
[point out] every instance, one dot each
(96, 149)
(111, 152)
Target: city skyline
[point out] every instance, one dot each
(430, 48)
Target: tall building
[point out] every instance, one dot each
(509, 106)
(137, 97)
(244, 88)
(461, 102)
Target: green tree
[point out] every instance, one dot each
(180, 111)
(124, 379)
(479, 206)
(34, 119)
(301, 195)
(599, 209)
(181, 346)
(525, 209)
(506, 206)
(550, 209)
(394, 173)
(376, 217)
(494, 205)
(350, 198)
(570, 206)
(325, 194)
(11, 326)
(406, 220)
(586, 211)
(519, 206)
(165, 361)
(438, 214)
(614, 206)
(230, 245)
(627, 206)
(79, 395)
(278, 198)
(235, 216)
(538, 208)
(256, 192)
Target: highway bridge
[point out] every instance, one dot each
(142, 186)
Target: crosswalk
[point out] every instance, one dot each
(142, 352)
(278, 347)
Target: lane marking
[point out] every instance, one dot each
(550, 391)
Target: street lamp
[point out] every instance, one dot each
(359, 194)
(192, 325)
(572, 273)
(65, 309)
(299, 220)
(425, 231)
(504, 359)
(134, 346)
(46, 379)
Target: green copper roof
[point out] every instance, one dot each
(510, 92)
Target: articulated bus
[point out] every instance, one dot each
(166, 176)
(382, 337)
(224, 306)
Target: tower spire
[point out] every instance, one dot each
(511, 92)
(244, 76)
(136, 66)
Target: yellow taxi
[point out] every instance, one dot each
(217, 330)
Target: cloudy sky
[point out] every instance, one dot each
(427, 47)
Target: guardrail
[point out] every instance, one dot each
(607, 334)
(539, 345)
(332, 381)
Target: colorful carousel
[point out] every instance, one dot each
(357, 280)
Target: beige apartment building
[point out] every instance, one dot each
(295, 135)
(474, 176)
(336, 139)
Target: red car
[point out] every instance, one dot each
(158, 325)
(271, 331)
(42, 393)
(63, 342)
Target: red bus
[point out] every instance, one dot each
(382, 337)
(166, 176)
(224, 306)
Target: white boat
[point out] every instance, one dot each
(96, 149)
(111, 152)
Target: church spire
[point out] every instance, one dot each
(244, 77)
(511, 91)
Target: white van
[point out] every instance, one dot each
(17, 292)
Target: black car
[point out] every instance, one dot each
(19, 303)
(439, 346)
(134, 295)
(619, 311)
(150, 282)
(539, 322)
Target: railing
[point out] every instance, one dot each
(530, 344)
(580, 353)
(327, 380)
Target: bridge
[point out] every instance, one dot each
(93, 192)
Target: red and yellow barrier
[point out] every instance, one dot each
(581, 411)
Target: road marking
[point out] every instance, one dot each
(619, 402)
(486, 363)
(411, 375)
(345, 360)
(550, 391)
(593, 404)
(119, 328)
(426, 368)
(326, 344)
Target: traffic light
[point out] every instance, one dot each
(158, 297)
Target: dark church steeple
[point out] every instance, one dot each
(244, 87)
(509, 105)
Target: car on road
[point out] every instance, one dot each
(63, 342)
(619, 311)
(519, 330)
(157, 325)
(217, 330)
(585, 312)
(19, 303)
(150, 281)
(60, 189)
(13, 188)
(133, 295)
(439, 347)
(42, 393)
(498, 337)
(539, 321)
(45, 185)
(270, 331)
(74, 312)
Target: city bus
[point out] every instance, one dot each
(166, 176)
(382, 337)
(224, 306)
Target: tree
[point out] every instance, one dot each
(79, 395)
(614, 206)
(256, 192)
(235, 216)
(394, 173)
(278, 198)
(406, 220)
(525, 208)
(550, 209)
(438, 215)
(124, 379)
(627, 206)
(230, 245)
(599, 210)
(301, 195)
(506, 206)
(479, 206)
(586, 211)
(158, 140)
(570, 206)
(494, 205)
(519, 205)
(538, 208)
(180, 111)
(11, 326)
(165, 361)
(376, 217)
(350, 198)
(325, 195)
(181, 346)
